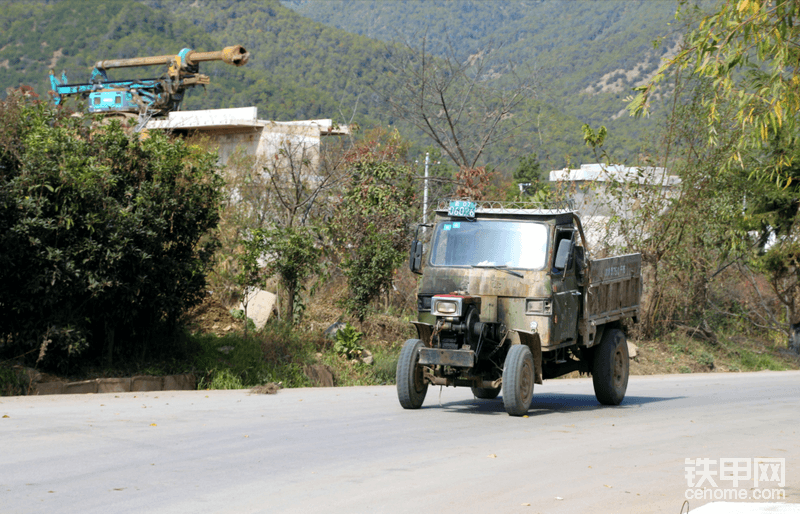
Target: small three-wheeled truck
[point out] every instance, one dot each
(509, 296)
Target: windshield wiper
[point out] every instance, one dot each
(501, 268)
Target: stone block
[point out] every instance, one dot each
(142, 383)
(260, 306)
(83, 387)
(47, 388)
(185, 382)
(113, 385)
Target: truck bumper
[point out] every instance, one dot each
(456, 358)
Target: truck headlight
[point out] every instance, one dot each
(446, 306)
(443, 307)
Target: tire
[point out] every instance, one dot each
(518, 376)
(611, 368)
(486, 393)
(411, 387)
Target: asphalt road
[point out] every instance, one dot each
(344, 450)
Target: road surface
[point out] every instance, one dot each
(346, 450)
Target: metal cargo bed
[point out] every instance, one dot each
(614, 291)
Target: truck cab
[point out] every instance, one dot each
(508, 297)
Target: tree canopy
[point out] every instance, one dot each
(748, 50)
(103, 236)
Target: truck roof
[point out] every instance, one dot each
(561, 211)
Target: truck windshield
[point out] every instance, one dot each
(513, 244)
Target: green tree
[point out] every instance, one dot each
(748, 50)
(685, 230)
(372, 221)
(773, 214)
(290, 253)
(529, 177)
(104, 238)
(746, 54)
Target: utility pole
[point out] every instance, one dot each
(425, 192)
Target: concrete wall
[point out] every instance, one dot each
(240, 130)
(589, 187)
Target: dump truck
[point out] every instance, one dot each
(509, 296)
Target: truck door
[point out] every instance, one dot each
(566, 293)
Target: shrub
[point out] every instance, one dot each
(103, 241)
(348, 342)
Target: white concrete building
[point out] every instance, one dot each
(602, 192)
(241, 129)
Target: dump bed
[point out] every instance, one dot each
(614, 289)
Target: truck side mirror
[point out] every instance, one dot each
(415, 257)
(562, 255)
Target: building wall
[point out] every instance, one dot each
(240, 130)
(592, 189)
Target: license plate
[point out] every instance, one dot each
(462, 209)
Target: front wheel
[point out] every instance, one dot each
(518, 380)
(610, 368)
(411, 386)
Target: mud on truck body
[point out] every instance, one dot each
(508, 297)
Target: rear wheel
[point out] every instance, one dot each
(610, 368)
(486, 393)
(411, 386)
(518, 380)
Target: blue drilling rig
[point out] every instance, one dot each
(144, 98)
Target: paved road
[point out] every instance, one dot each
(344, 450)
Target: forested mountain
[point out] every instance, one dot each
(587, 55)
(295, 71)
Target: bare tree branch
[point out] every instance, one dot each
(465, 106)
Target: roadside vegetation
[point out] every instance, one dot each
(123, 255)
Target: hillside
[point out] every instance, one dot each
(588, 54)
(39, 36)
(301, 68)
(585, 49)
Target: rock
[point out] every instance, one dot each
(260, 306)
(367, 358)
(225, 349)
(320, 375)
(29, 375)
(633, 350)
(331, 331)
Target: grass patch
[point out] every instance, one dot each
(757, 361)
(731, 348)
(11, 384)
(279, 353)
(222, 379)
(275, 354)
(352, 372)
